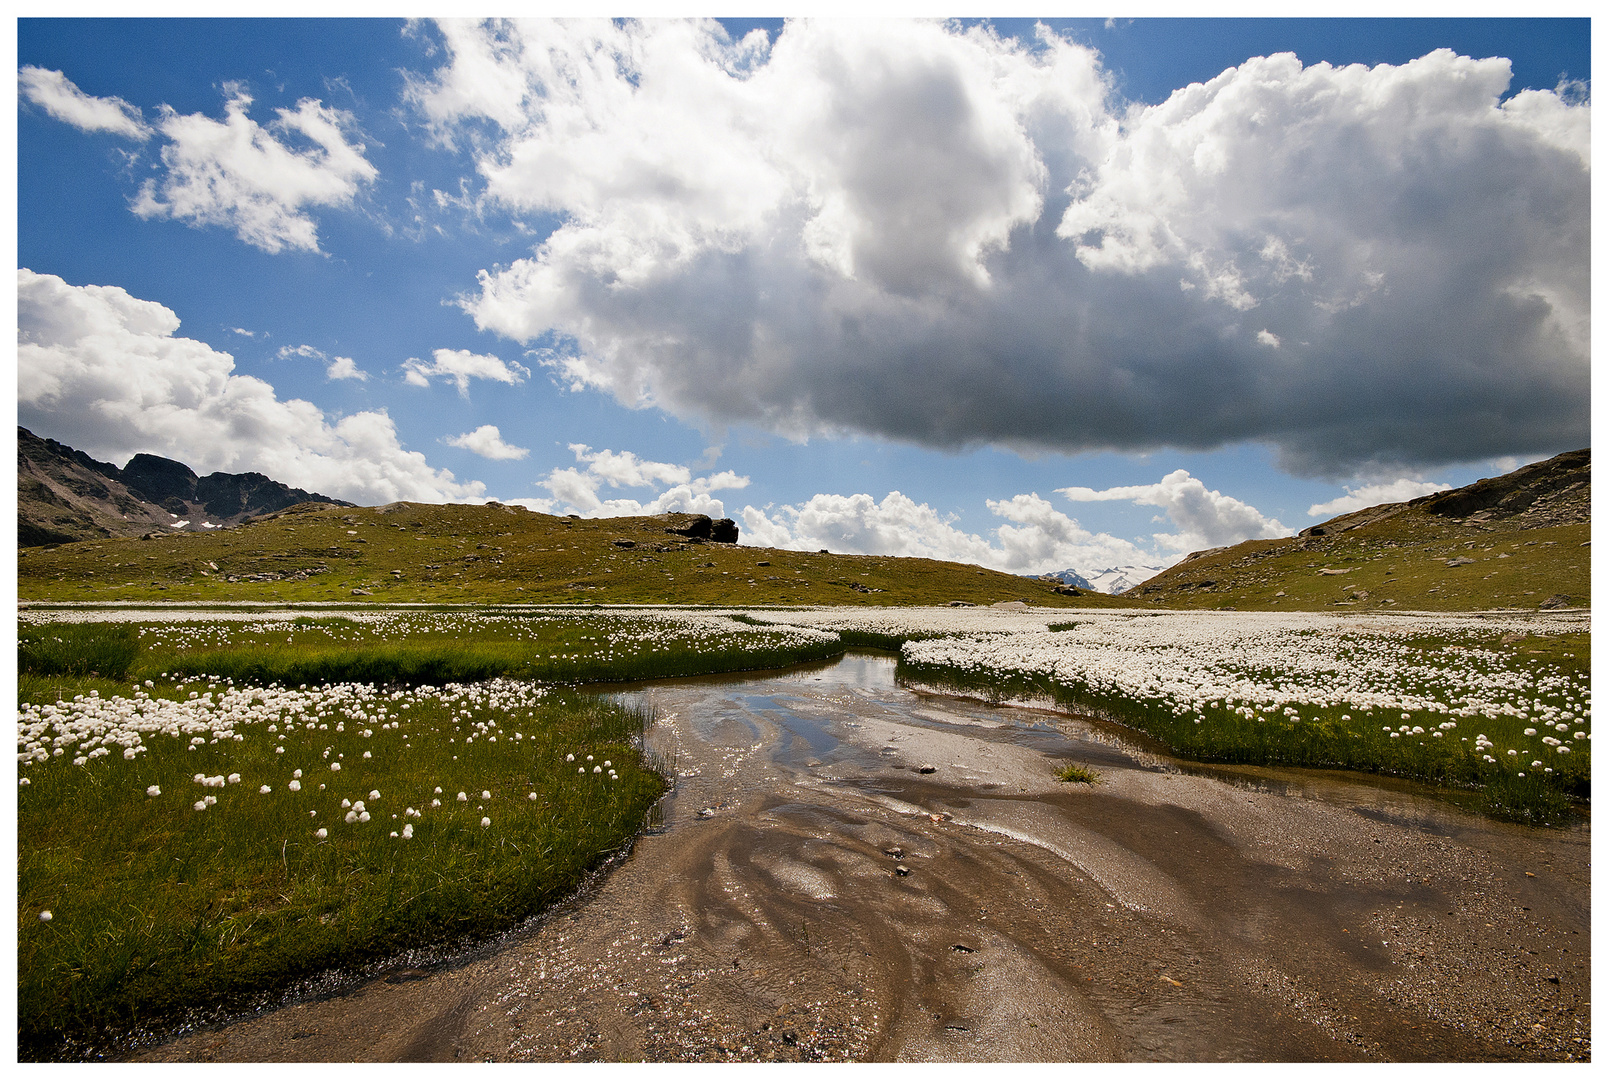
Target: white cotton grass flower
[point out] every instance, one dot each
(322, 834)
(45, 916)
(153, 791)
(435, 804)
(438, 791)
(351, 817)
(569, 757)
(485, 794)
(296, 775)
(294, 785)
(367, 755)
(334, 766)
(485, 822)
(374, 794)
(24, 782)
(531, 796)
(201, 804)
(234, 778)
(407, 831)
(364, 816)
(463, 796)
(265, 790)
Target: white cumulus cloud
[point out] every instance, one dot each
(344, 367)
(577, 490)
(107, 373)
(59, 96)
(1204, 518)
(259, 181)
(930, 233)
(461, 365)
(487, 441)
(1035, 538)
(1361, 498)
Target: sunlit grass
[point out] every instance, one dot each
(157, 907)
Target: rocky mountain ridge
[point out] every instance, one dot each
(65, 495)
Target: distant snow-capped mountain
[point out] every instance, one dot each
(1113, 580)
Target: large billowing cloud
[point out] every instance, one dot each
(932, 234)
(105, 372)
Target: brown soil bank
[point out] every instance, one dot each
(850, 870)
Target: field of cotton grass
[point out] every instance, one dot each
(1500, 703)
(199, 843)
(214, 806)
(427, 646)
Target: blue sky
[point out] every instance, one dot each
(1075, 314)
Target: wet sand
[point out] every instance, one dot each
(852, 870)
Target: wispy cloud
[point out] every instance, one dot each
(61, 98)
(459, 366)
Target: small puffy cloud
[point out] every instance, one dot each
(259, 181)
(1036, 538)
(107, 373)
(1205, 519)
(927, 232)
(344, 367)
(576, 490)
(487, 441)
(55, 93)
(242, 331)
(461, 365)
(341, 367)
(1373, 494)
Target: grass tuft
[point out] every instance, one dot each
(1073, 773)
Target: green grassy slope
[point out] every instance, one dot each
(414, 552)
(1400, 562)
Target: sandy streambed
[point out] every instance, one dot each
(850, 869)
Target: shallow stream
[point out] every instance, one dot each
(851, 868)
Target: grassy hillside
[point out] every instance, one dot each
(1411, 560)
(414, 552)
